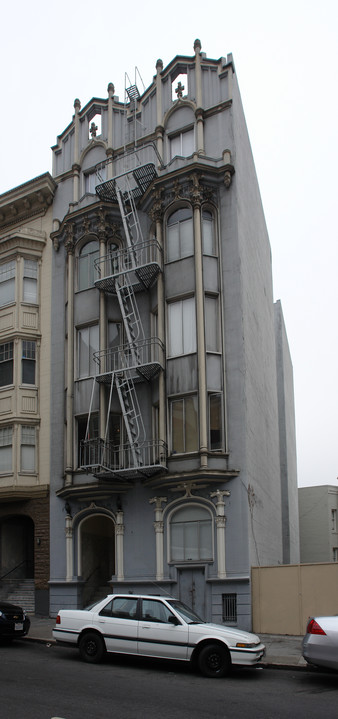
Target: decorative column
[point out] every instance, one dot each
(196, 196)
(102, 235)
(199, 100)
(156, 215)
(220, 529)
(69, 547)
(159, 529)
(69, 246)
(159, 113)
(76, 163)
(110, 133)
(119, 533)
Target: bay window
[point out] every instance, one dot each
(28, 438)
(28, 362)
(7, 283)
(215, 422)
(180, 234)
(6, 441)
(6, 364)
(184, 424)
(181, 327)
(87, 344)
(30, 281)
(86, 268)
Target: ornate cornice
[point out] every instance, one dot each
(27, 201)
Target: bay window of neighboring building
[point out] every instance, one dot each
(28, 449)
(6, 364)
(87, 273)
(7, 283)
(30, 281)
(191, 534)
(184, 424)
(180, 234)
(87, 344)
(182, 143)
(215, 421)
(28, 361)
(181, 327)
(6, 441)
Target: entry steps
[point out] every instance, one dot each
(20, 592)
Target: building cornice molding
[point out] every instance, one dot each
(27, 201)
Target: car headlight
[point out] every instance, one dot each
(246, 645)
(1, 613)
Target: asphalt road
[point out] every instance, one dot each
(38, 681)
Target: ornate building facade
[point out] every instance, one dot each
(166, 397)
(25, 310)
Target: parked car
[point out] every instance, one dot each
(13, 622)
(320, 644)
(154, 626)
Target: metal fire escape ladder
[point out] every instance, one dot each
(131, 415)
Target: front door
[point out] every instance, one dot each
(158, 635)
(191, 584)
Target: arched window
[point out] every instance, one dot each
(180, 234)
(86, 269)
(191, 534)
(208, 233)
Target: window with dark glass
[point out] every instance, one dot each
(215, 422)
(184, 424)
(28, 362)
(6, 364)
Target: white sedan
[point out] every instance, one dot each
(155, 626)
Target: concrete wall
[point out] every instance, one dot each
(283, 598)
(318, 527)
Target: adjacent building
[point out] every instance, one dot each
(25, 310)
(318, 528)
(173, 457)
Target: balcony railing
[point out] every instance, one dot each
(146, 357)
(106, 460)
(142, 262)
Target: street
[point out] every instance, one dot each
(40, 681)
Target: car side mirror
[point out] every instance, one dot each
(173, 620)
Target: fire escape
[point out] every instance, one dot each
(124, 274)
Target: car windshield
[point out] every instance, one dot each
(185, 612)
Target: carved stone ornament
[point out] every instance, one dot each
(196, 191)
(70, 240)
(157, 210)
(86, 225)
(102, 224)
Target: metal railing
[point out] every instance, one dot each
(145, 259)
(141, 354)
(97, 456)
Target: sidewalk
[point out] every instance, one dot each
(281, 651)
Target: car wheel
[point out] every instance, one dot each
(91, 647)
(214, 661)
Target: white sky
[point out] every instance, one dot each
(286, 58)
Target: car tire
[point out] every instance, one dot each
(214, 661)
(91, 647)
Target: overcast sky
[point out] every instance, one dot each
(286, 59)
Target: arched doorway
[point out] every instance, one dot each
(97, 554)
(17, 547)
